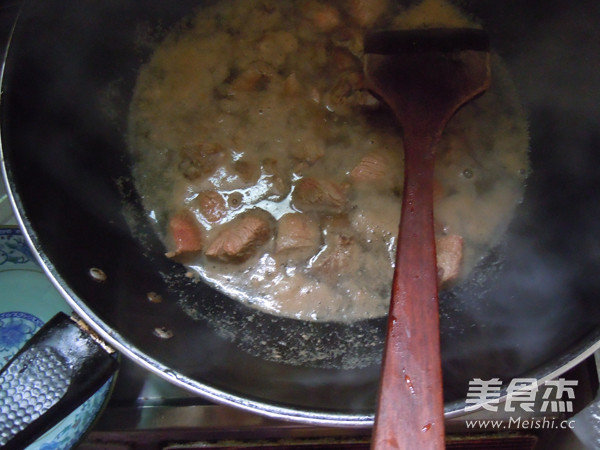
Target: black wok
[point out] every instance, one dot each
(530, 309)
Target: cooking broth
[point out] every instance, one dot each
(272, 173)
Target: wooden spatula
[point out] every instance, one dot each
(424, 75)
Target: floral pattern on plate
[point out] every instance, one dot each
(14, 251)
(16, 328)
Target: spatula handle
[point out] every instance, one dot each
(410, 408)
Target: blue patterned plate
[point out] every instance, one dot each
(27, 300)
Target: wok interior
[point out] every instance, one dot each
(66, 89)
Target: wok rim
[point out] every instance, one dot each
(568, 359)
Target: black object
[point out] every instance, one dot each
(54, 373)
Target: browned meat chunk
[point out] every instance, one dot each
(449, 251)
(340, 256)
(372, 167)
(314, 194)
(212, 205)
(238, 240)
(297, 232)
(185, 234)
(366, 12)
